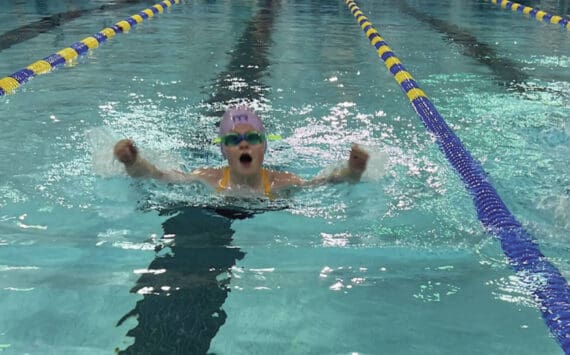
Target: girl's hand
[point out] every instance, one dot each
(126, 152)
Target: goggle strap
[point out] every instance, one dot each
(273, 137)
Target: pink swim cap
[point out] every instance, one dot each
(240, 115)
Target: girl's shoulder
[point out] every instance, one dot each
(280, 179)
(212, 176)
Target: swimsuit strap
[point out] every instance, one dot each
(225, 181)
(266, 184)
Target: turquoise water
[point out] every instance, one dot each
(398, 264)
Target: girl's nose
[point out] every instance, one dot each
(243, 144)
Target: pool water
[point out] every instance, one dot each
(94, 262)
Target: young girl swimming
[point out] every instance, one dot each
(243, 143)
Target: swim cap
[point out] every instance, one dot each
(240, 115)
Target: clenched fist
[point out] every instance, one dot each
(126, 152)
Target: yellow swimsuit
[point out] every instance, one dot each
(225, 182)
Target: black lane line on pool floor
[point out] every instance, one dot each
(185, 317)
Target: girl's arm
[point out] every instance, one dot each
(137, 166)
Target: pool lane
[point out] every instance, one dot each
(506, 71)
(10, 83)
(540, 276)
(538, 15)
(201, 251)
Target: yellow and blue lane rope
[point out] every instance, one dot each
(12, 82)
(538, 15)
(543, 279)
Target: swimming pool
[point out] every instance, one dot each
(398, 264)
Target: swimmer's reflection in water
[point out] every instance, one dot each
(183, 294)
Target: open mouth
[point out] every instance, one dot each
(245, 158)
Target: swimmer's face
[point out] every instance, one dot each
(245, 158)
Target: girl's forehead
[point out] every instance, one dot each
(243, 127)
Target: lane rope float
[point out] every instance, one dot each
(67, 55)
(536, 14)
(542, 278)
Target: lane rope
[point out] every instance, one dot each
(67, 55)
(542, 278)
(536, 14)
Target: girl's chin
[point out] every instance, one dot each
(246, 168)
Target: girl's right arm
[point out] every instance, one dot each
(136, 166)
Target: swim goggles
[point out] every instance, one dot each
(232, 139)
(252, 137)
